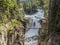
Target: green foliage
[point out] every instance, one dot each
(10, 14)
(5, 19)
(46, 5)
(9, 3)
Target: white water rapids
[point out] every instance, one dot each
(33, 31)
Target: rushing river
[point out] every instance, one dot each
(31, 35)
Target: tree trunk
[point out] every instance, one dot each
(54, 20)
(54, 14)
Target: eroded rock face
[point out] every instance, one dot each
(3, 37)
(30, 11)
(54, 40)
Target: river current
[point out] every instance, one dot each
(31, 35)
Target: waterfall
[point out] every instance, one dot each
(33, 31)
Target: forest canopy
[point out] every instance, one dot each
(12, 11)
(10, 15)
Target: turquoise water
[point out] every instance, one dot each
(26, 0)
